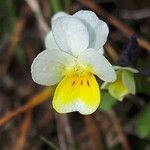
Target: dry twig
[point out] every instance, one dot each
(64, 132)
(111, 52)
(60, 132)
(15, 37)
(93, 133)
(126, 30)
(23, 132)
(68, 131)
(118, 128)
(44, 28)
(33, 102)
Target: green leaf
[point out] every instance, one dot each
(107, 101)
(143, 123)
(128, 81)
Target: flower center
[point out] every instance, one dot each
(78, 70)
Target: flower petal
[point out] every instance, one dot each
(98, 29)
(50, 42)
(99, 64)
(47, 68)
(70, 34)
(88, 17)
(101, 51)
(101, 33)
(59, 14)
(118, 90)
(128, 81)
(77, 93)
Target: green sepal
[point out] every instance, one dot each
(128, 81)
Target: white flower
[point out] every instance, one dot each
(73, 54)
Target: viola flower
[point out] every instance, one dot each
(72, 57)
(124, 84)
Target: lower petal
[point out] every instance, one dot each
(77, 93)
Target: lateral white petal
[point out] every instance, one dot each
(101, 50)
(50, 42)
(47, 68)
(70, 34)
(99, 64)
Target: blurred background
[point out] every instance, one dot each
(27, 120)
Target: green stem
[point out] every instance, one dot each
(56, 5)
(67, 6)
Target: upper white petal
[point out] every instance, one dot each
(100, 65)
(47, 68)
(88, 17)
(101, 33)
(70, 34)
(59, 14)
(98, 29)
(50, 42)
